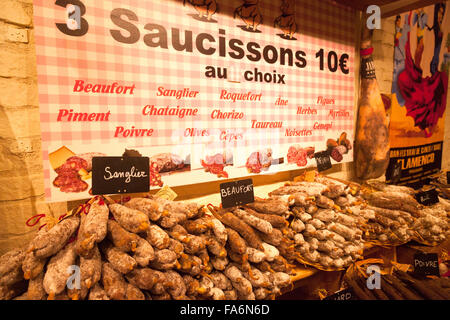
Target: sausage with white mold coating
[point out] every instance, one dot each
(274, 238)
(93, 227)
(97, 293)
(119, 260)
(246, 231)
(57, 271)
(49, 242)
(131, 219)
(219, 263)
(11, 267)
(144, 253)
(257, 223)
(164, 259)
(114, 284)
(152, 208)
(176, 246)
(258, 278)
(177, 287)
(91, 268)
(236, 242)
(32, 266)
(215, 247)
(275, 220)
(239, 282)
(36, 289)
(221, 281)
(157, 237)
(121, 238)
(144, 278)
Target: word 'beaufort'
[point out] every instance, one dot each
(116, 88)
(236, 190)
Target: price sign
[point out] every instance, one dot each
(323, 161)
(428, 197)
(237, 193)
(426, 264)
(111, 175)
(346, 294)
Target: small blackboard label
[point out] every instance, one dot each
(345, 294)
(111, 175)
(323, 160)
(448, 177)
(237, 193)
(428, 197)
(396, 173)
(426, 264)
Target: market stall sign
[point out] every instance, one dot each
(237, 193)
(396, 173)
(428, 197)
(426, 264)
(109, 80)
(345, 294)
(323, 161)
(111, 175)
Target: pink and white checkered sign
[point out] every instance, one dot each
(193, 78)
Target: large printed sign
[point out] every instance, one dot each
(419, 94)
(207, 89)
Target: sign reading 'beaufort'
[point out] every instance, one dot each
(120, 175)
(237, 193)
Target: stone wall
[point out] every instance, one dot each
(21, 176)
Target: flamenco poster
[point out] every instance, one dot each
(419, 94)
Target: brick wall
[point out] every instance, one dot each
(21, 177)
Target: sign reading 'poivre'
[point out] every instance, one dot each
(426, 264)
(112, 175)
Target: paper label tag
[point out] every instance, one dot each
(118, 175)
(237, 193)
(166, 193)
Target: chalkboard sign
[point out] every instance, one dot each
(426, 264)
(428, 197)
(396, 173)
(345, 294)
(323, 160)
(237, 193)
(111, 175)
(448, 177)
